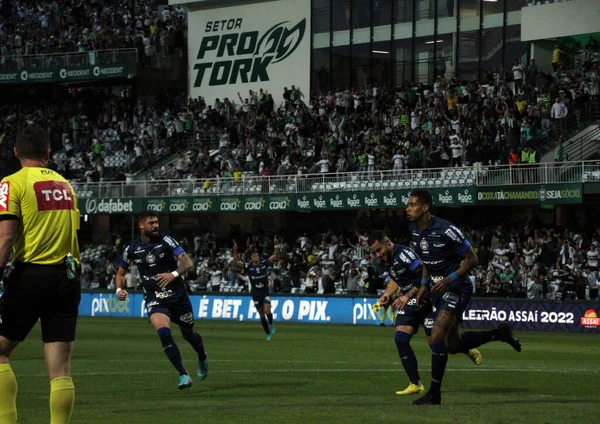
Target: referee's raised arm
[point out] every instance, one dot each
(39, 219)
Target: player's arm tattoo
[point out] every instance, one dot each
(391, 288)
(470, 261)
(186, 263)
(412, 292)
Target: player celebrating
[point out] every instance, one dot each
(448, 258)
(164, 291)
(405, 275)
(259, 285)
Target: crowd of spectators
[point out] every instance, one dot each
(96, 136)
(368, 129)
(515, 261)
(61, 26)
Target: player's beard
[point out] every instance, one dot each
(153, 235)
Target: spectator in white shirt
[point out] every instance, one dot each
(324, 165)
(592, 258)
(517, 70)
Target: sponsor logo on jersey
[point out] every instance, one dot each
(187, 318)
(4, 196)
(163, 294)
(451, 298)
(53, 196)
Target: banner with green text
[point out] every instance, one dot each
(531, 194)
(278, 203)
(84, 73)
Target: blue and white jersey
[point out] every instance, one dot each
(258, 275)
(440, 246)
(153, 258)
(404, 268)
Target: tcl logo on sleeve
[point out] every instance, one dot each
(53, 196)
(4, 196)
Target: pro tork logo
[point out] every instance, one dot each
(244, 56)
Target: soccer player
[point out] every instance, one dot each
(165, 294)
(448, 259)
(39, 219)
(259, 285)
(404, 280)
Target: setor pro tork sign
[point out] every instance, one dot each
(261, 45)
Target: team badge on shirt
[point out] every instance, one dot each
(424, 245)
(150, 258)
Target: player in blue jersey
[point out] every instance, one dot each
(156, 256)
(259, 284)
(448, 260)
(404, 280)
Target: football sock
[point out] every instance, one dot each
(196, 341)
(265, 325)
(407, 356)
(171, 349)
(473, 339)
(62, 399)
(439, 359)
(8, 395)
(270, 318)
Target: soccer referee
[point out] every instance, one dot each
(39, 220)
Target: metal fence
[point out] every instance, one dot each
(71, 60)
(484, 176)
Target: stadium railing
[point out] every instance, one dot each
(486, 176)
(70, 60)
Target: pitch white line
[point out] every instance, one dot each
(323, 370)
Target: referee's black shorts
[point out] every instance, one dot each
(40, 291)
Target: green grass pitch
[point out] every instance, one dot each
(309, 374)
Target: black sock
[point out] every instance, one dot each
(407, 357)
(270, 318)
(196, 342)
(439, 359)
(473, 339)
(265, 325)
(171, 349)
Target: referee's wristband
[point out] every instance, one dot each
(175, 274)
(425, 281)
(453, 276)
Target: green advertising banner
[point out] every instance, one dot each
(531, 194)
(84, 73)
(291, 202)
(456, 196)
(111, 206)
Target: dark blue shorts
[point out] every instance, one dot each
(176, 306)
(261, 298)
(455, 299)
(413, 316)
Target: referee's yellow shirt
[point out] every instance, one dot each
(46, 207)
